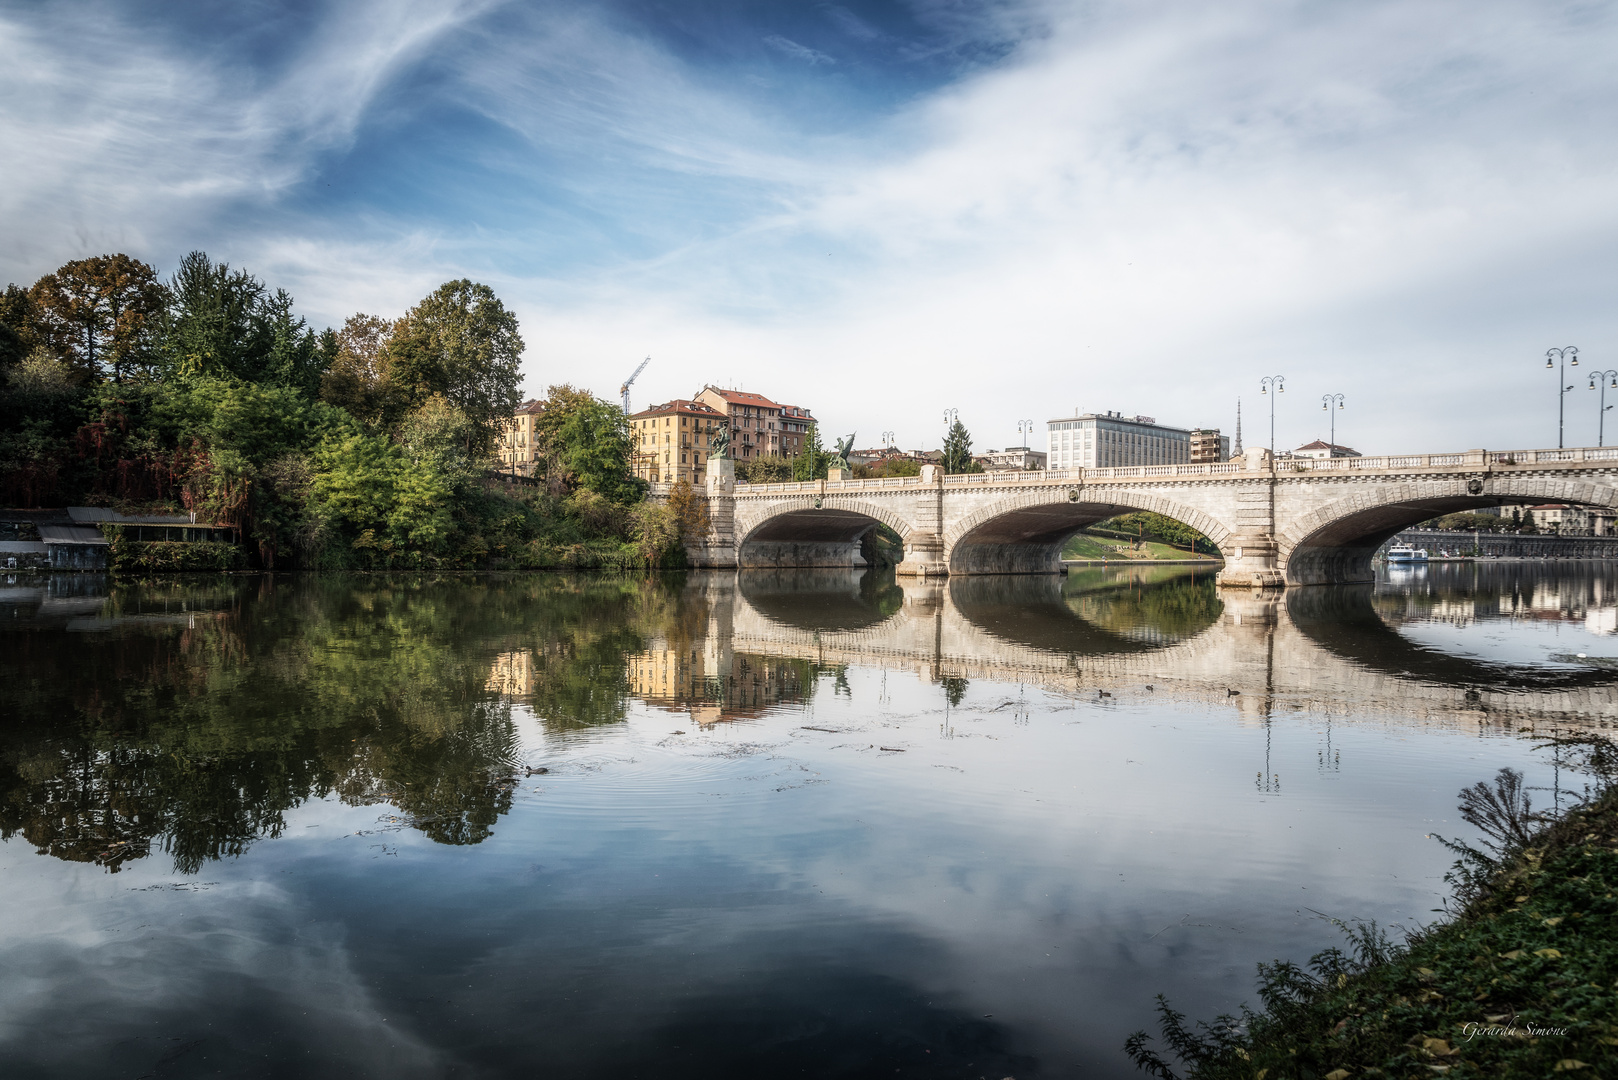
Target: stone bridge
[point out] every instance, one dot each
(1277, 523)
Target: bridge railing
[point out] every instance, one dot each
(1381, 463)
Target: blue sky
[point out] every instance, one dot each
(882, 210)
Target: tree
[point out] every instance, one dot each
(958, 450)
(812, 462)
(388, 503)
(585, 442)
(1528, 525)
(99, 314)
(208, 327)
(19, 334)
(224, 323)
(690, 512)
(357, 379)
(770, 469)
(461, 342)
(293, 354)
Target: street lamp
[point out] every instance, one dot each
(1025, 431)
(1601, 423)
(1565, 358)
(1264, 384)
(887, 439)
(1325, 403)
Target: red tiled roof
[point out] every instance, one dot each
(678, 405)
(740, 397)
(529, 407)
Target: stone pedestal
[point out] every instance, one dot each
(839, 474)
(717, 550)
(721, 476)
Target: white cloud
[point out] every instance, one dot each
(118, 138)
(1142, 207)
(1148, 213)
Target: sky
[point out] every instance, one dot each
(884, 210)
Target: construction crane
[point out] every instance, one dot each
(624, 389)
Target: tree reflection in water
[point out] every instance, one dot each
(147, 723)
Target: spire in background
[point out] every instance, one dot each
(1236, 450)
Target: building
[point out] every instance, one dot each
(515, 447)
(1567, 520)
(1012, 458)
(1207, 445)
(874, 455)
(758, 426)
(671, 441)
(1109, 440)
(1321, 450)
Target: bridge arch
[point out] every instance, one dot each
(1023, 532)
(1335, 543)
(811, 529)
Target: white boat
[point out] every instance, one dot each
(1404, 553)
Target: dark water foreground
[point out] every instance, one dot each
(791, 824)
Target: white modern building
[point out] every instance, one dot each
(1108, 440)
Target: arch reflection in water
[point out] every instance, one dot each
(1117, 631)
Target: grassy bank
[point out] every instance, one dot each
(1091, 546)
(1522, 982)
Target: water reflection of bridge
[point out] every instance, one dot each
(1325, 651)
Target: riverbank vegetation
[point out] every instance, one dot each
(1141, 535)
(366, 447)
(1522, 981)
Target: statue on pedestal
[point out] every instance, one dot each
(844, 448)
(719, 443)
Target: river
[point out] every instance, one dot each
(818, 824)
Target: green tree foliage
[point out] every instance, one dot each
(584, 442)
(368, 488)
(366, 447)
(889, 466)
(19, 332)
(814, 460)
(1468, 522)
(461, 342)
(958, 450)
(358, 379)
(1149, 526)
(224, 323)
(40, 402)
(770, 469)
(99, 315)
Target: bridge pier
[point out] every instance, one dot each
(924, 547)
(1252, 557)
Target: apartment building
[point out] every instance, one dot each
(515, 447)
(1110, 440)
(759, 427)
(671, 441)
(1207, 445)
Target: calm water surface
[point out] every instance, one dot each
(797, 824)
